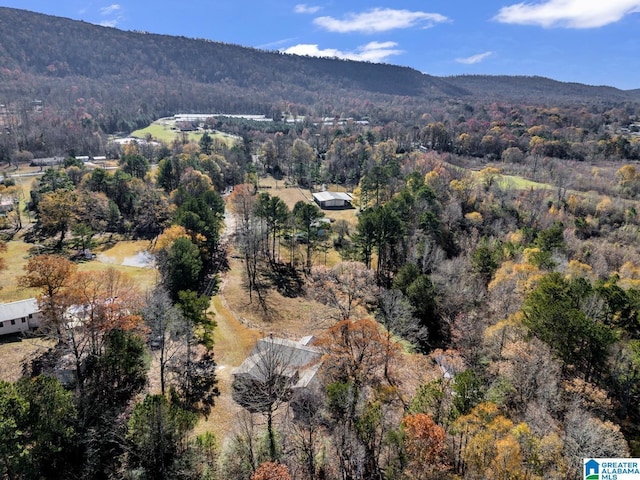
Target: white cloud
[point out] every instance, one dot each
(473, 59)
(110, 9)
(379, 20)
(276, 43)
(113, 14)
(304, 8)
(568, 13)
(375, 52)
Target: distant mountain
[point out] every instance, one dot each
(538, 88)
(54, 48)
(66, 83)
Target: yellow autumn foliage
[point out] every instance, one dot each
(577, 269)
(168, 236)
(474, 217)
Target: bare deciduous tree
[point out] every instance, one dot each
(263, 383)
(343, 287)
(166, 323)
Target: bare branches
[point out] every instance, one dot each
(344, 287)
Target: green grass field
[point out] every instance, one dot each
(163, 130)
(121, 257)
(514, 182)
(158, 131)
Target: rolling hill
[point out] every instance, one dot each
(53, 48)
(86, 80)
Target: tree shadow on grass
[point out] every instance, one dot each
(285, 279)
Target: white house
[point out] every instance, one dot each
(6, 205)
(20, 316)
(326, 200)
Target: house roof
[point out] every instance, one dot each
(291, 356)
(308, 375)
(326, 196)
(19, 309)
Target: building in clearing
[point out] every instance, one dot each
(21, 316)
(6, 205)
(275, 370)
(332, 200)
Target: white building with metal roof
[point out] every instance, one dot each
(326, 200)
(20, 316)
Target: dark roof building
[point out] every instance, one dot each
(274, 371)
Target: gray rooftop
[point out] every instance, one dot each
(326, 196)
(289, 354)
(19, 309)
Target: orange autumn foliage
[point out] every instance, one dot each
(424, 440)
(271, 471)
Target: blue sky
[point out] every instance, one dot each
(596, 42)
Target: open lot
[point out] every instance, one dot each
(16, 258)
(126, 257)
(165, 130)
(14, 350)
(293, 194)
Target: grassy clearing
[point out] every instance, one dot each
(289, 317)
(159, 131)
(514, 182)
(233, 343)
(16, 257)
(22, 169)
(121, 251)
(18, 253)
(288, 194)
(13, 352)
(164, 130)
(145, 277)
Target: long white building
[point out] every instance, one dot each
(20, 316)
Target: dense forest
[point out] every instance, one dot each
(477, 310)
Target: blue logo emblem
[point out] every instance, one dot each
(592, 470)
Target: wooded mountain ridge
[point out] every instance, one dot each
(54, 52)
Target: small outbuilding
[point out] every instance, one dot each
(332, 200)
(6, 205)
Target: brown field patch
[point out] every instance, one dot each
(289, 195)
(289, 317)
(15, 350)
(16, 257)
(240, 324)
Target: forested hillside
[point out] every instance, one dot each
(88, 81)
